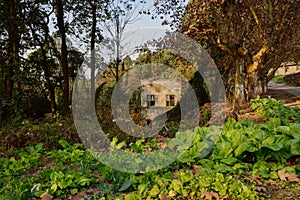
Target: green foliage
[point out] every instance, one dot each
(269, 107)
(67, 179)
(279, 79)
(240, 147)
(187, 185)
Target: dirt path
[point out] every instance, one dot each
(289, 94)
(290, 89)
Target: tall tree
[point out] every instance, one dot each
(87, 18)
(41, 39)
(59, 7)
(12, 26)
(122, 13)
(245, 38)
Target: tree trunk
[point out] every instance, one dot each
(118, 38)
(239, 89)
(47, 74)
(252, 85)
(262, 85)
(64, 54)
(93, 63)
(13, 50)
(252, 73)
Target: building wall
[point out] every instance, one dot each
(285, 70)
(160, 89)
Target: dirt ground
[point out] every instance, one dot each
(290, 100)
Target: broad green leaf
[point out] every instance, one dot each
(283, 129)
(229, 161)
(83, 181)
(273, 123)
(142, 188)
(121, 144)
(176, 185)
(237, 139)
(224, 148)
(74, 191)
(126, 184)
(64, 144)
(104, 187)
(269, 140)
(54, 187)
(133, 197)
(185, 176)
(229, 124)
(154, 191)
(295, 147)
(241, 148)
(273, 175)
(251, 148)
(274, 146)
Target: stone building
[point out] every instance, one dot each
(159, 96)
(288, 68)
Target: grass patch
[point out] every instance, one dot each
(280, 79)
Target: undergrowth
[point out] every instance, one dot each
(226, 162)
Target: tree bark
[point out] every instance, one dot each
(93, 60)
(13, 51)
(118, 38)
(252, 85)
(239, 89)
(252, 73)
(64, 54)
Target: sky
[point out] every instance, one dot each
(136, 34)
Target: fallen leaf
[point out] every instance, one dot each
(260, 189)
(282, 175)
(206, 195)
(272, 182)
(214, 194)
(293, 178)
(46, 196)
(225, 197)
(209, 195)
(163, 197)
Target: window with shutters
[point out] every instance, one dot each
(170, 100)
(151, 100)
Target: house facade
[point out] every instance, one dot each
(159, 96)
(288, 68)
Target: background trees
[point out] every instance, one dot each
(121, 14)
(246, 39)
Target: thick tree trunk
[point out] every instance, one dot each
(252, 85)
(252, 73)
(64, 54)
(13, 51)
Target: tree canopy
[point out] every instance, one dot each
(248, 40)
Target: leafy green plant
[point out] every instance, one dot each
(269, 107)
(67, 178)
(212, 160)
